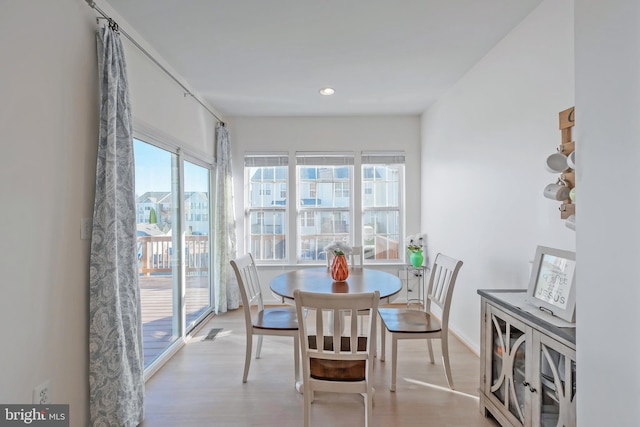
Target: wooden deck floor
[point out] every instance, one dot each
(156, 296)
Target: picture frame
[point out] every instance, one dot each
(552, 285)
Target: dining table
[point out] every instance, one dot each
(318, 279)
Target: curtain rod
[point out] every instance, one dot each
(92, 4)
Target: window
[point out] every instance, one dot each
(332, 201)
(324, 182)
(382, 183)
(266, 214)
(341, 189)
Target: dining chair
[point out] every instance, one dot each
(336, 362)
(407, 323)
(278, 321)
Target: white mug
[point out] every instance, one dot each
(557, 163)
(571, 160)
(559, 191)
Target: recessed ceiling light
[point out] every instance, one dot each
(327, 91)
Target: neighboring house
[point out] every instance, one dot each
(160, 201)
(196, 213)
(196, 210)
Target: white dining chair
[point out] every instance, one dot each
(407, 323)
(336, 362)
(278, 321)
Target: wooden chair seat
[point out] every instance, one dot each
(409, 321)
(338, 370)
(284, 318)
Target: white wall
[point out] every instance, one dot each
(358, 133)
(608, 240)
(484, 148)
(159, 104)
(49, 123)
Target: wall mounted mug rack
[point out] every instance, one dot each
(567, 147)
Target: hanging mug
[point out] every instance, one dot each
(557, 191)
(557, 163)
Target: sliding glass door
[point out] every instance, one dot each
(157, 248)
(196, 242)
(173, 228)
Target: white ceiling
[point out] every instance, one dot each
(270, 57)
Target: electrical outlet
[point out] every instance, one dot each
(42, 393)
(86, 224)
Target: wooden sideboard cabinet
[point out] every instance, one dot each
(528, 363)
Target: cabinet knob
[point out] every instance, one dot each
(526, 384)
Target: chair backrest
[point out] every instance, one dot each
(441, 283)
(346, 357)
(249, 283)
(356, 259)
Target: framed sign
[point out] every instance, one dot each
(552, 286)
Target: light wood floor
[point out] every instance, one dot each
(202, 386)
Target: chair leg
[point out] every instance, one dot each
(296, 358)
(445, 360)
(394, 361)
(308, 400)
(430, 347)
(307, 408)
(383, 335)
(259, 348)
(368, 408)
(247, 357)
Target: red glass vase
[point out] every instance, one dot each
(339, 268)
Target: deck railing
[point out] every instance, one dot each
(155, 252)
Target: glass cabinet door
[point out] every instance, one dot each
(509, 341)
(556, 406)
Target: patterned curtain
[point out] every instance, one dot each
(226, 287)
(116, 368)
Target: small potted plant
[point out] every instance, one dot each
(339, 265)
(415, 244)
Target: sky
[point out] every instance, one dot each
(153, 170)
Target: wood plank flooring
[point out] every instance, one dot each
(202, 386)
